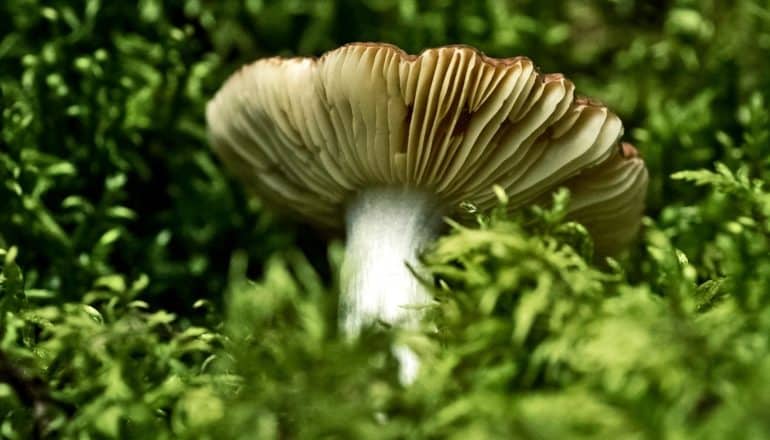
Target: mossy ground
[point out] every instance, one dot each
(126, 308)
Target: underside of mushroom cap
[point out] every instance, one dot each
(309, 133)
(609, 199)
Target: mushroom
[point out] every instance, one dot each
(387, 143)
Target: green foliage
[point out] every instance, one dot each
(109, 365)
(126, 309)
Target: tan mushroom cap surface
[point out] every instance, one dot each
(310, 133)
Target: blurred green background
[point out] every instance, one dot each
(112, 205)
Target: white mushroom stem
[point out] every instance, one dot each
(386, 230)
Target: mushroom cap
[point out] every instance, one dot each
(309, 133)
